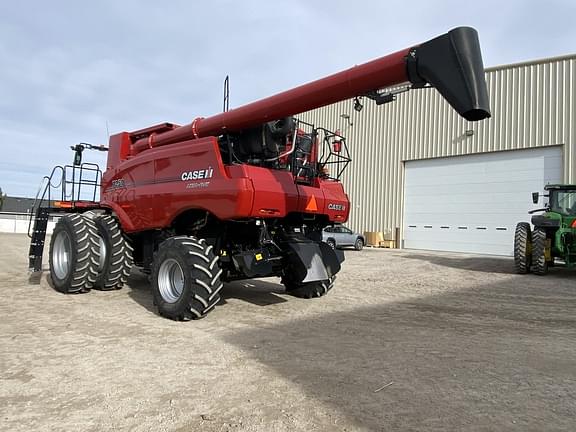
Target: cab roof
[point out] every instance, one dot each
(560, 187)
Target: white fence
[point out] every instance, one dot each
(18, 223)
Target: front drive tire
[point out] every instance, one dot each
(359, 244)
(522, 248)
(185, 278)
(539, 244)
(115, 254)
(74, 254)
(308, 290)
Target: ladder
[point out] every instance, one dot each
(37, 239)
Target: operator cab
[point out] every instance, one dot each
(291, 145)
(561, 199)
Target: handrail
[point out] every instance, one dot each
(48, 188)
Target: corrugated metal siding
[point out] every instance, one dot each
(533, 105)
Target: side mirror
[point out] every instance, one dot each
(535, 197)
(78, 158)
(78, 149)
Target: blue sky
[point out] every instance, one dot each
(71, 71)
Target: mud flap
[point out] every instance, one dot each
(313, 261)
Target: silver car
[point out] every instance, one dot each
(339, 236)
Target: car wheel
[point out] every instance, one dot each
(359, 244)
(331, 243)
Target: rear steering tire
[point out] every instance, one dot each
(522, 248)
(74, 254)
(539, 245)
(308, 290)
(185, 278)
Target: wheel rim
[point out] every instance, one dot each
(61, 252)
(331, 244)
(103, 252)
(171, 280)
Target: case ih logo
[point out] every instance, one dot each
(197, 174)
(338, 207)
(118, 184)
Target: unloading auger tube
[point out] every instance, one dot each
(452, 63)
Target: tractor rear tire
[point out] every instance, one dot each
(185, 278)
(539, 244)
(115, 254)
(308, 290)
(74, 254)
(522, 248)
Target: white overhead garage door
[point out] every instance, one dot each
(472, 203)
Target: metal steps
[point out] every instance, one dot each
(37, 239)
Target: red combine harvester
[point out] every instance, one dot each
(239, 195)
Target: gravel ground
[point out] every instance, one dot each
(406, 341)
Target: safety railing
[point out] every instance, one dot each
(69, 183)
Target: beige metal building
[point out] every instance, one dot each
(449, 184)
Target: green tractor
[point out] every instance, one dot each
(553, 235)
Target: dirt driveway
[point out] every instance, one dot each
(407, 341)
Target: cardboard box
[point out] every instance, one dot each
(388, 235)
(388, 244)
(373, 238)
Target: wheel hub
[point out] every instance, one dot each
(171, 280)
(61, 255)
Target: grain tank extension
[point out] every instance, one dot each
(242, 194)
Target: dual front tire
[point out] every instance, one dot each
(74, 254)
(115, 260)
(89, 251)
(540, 252)
(531, 250)
(522, 248)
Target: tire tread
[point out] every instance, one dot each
(202, 278)
(120, 261)
(308, 290)
(539, 264)
(83, 236)
(522, 246)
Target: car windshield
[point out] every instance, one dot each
(563, 202)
